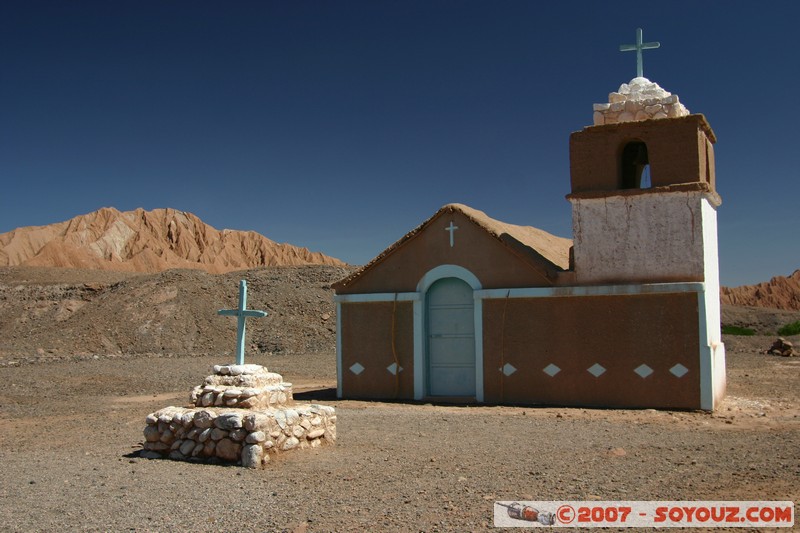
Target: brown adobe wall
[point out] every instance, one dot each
(492, 262)
(574, 333)
(366, 337)
(679, 149)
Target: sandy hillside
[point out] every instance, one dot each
(147, 241)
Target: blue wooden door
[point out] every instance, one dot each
(451, 338)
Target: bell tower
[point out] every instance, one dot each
(644, 191)
(644, 201)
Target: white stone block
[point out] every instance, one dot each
(239, 434)
(251, 456)
(625, 117)
(290, 443)
(151, 433)
(315, 434)
(256, 437)
(204, 418)
(653, 109)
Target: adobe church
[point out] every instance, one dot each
(466, 308)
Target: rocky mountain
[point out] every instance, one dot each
(780, 293)
(147, 242)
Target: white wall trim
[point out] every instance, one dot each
(447, 271)
(592, 290)
(338, 350)
(530, 292)
(478, 315)
(419, 350)
(706, 353)
(377, 297)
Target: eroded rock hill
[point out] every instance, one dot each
(51, 313)
(148, 242)
(779, 293)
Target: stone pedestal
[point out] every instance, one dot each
(242, 414)
(641, 99)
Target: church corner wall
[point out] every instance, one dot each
(714, 348)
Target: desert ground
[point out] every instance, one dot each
(71, 428)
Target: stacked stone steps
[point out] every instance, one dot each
(242, 414)
(244, 386)
(236, 435)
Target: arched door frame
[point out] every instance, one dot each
(420, 305)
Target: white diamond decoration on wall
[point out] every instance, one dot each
(508, 369)
(679, 370)
(596, 370)
(643, 370)
(394, 368)
(357, 368)
(551, 370)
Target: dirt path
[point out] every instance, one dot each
(69, 431)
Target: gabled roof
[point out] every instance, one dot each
(535, 245)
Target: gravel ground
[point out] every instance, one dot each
(70, 431)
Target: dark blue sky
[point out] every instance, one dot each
(341, 125)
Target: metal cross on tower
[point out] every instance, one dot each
(639, 46)
(241, 313)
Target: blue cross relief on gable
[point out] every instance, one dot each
(451, 228)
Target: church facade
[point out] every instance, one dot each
(466, 308)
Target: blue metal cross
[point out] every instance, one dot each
(639, 46)
(241, 313)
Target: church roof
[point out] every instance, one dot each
(532, 244)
